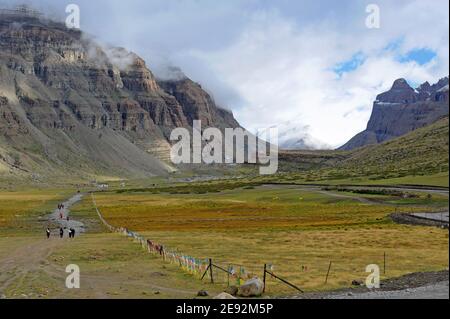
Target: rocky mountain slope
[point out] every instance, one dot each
(70, 106)
(402, 110)
(422, 152)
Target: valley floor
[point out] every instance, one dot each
(32, 266)
(296, 230)
(110, 266)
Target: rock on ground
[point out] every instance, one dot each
(252, 288)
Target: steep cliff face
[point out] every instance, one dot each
(197, 104)
(402, 110)
(64, 99)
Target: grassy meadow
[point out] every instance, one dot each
(111, 267)
(296, 231)
(23, 211)
(32, 266)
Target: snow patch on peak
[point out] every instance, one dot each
(296, 136)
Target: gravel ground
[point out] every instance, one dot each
(425, 285)
(410, 219)
(435, 291)
(442, 217)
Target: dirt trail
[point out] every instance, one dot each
(31, 260)
(359, 199)
(55, 217)
(25, 260)
(32, 257)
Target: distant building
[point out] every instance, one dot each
(103, 186)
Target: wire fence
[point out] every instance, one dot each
(189, 264)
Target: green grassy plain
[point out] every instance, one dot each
(297, 231)
(111, 266)
(23, 211)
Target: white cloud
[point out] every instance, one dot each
(284, 71)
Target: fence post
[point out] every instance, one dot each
(228, 276)
(384, 263)
(211, 270)
(328, 273)
(264, 278)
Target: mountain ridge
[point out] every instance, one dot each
(401, 110)
(69, 105)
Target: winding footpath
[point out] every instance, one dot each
(55, 217)
(30, 259)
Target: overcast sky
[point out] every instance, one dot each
(310, 66)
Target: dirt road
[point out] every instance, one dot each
(32, 257)
(424, 285)
(34, 266)
(24, 260)
(434, 291)
(66, 222)
(440, 217)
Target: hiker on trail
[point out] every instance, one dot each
(61, 233)
(48, 232)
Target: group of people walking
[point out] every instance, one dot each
(71, 231)
(61, 232)
(61, 212)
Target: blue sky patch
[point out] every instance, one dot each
(420, 56)
(347, 66)
(394, 45)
